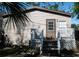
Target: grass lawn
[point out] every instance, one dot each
(6, 52)
(15, 52)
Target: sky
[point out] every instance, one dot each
(67, 6)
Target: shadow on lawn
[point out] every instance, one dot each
(25, 51)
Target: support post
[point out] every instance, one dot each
(58, 42)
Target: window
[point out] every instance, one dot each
(62, 25)
(50, 25)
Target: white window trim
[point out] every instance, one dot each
(48, 25)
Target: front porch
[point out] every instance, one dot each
(64, 40)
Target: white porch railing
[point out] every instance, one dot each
(37, 39)
(66, 39)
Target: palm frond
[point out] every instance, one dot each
(18, 19)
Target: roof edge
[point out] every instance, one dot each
(50, 11)
(41, 9)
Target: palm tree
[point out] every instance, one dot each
(14, 13)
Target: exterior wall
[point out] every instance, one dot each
(38, 19)
(42, 16)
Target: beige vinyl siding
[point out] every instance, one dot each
(38, 19)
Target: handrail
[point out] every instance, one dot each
(58, 42)
(67, 37)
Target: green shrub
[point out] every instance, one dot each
(5, 52)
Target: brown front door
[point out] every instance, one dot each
(51, 29)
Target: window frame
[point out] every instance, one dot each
(50, 20)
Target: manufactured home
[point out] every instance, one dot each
(51, 27)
